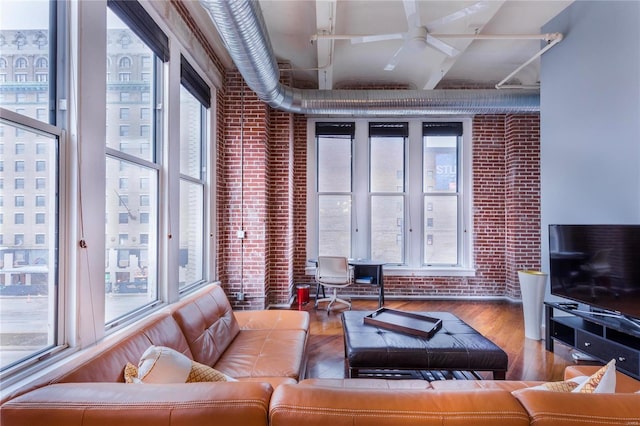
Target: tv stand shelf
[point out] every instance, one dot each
(601, 337)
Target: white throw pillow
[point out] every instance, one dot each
(160, 364)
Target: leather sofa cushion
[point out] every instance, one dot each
(208, 324)
(264, 353)
(294, 405)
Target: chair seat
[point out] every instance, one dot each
(334, 282)
(333, 272)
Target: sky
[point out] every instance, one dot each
(24, 14)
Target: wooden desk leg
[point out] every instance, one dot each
(380, 280)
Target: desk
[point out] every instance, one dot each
(369, 269)
(361, 269)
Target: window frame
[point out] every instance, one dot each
(414, 210)
(58, 242)
(59, 245)
(80, 299)
(197, 87)
(138, 20)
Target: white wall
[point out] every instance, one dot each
(590, 117)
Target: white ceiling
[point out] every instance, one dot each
(481, 63)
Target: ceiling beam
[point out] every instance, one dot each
(325, 24)
(490, 8)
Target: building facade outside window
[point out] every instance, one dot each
(30, 139)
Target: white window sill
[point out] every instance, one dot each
(429, 272)
(399, 271)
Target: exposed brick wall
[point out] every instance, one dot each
(218, 189)
(244, 190)
(505, 205)
(499, 245)
(300, 199)
(489, 203)
(522, 209)
(198, 34)
(280, 224)
(272, 206)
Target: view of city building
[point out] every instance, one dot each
(28, 186)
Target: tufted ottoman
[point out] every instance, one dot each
(455, 347)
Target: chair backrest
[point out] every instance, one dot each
(599, 263)
(333, 270)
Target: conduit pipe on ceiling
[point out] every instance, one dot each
(554, 39)
(242, 28)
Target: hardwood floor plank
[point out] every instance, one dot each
(501, 322)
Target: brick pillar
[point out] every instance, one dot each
(281, 228)
(300, 198)
(243, 199)
(488, 201)
(522, 198)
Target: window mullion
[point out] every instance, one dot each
(361, 199)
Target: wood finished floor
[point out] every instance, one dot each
(501, 322)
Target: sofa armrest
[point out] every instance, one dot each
(548, 408)
(229, 403)
(309, 405)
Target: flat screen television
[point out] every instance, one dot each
(597, 265)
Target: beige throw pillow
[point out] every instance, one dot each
(602, 381)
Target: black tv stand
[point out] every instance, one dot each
(602, 335)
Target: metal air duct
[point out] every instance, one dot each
(243, 30)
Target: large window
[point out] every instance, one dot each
(441, 188)
(195, 98)
(89, 208)
(387, 190)
(392, 191)
(29, 291)
(333, 190)
(132, 264)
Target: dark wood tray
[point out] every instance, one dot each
(404, 322)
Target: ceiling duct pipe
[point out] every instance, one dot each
(243, 30)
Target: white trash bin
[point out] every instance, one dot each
(532, 286)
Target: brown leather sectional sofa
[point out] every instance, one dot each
(265, 351)
(262, 349)
(377, 402)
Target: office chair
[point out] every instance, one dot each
(333, 272)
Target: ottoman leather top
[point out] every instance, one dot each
(456, 346)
